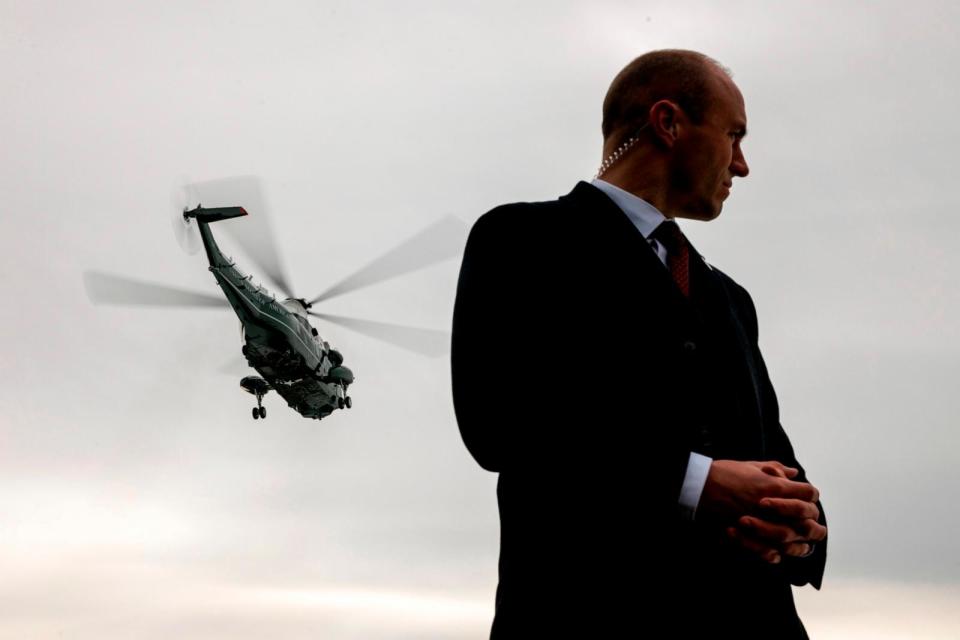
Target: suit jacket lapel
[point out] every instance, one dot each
(623, 236)
(714, 298)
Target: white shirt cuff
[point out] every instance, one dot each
(698, 467)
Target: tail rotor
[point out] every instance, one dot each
(185, 198)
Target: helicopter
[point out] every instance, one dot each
(279, 342)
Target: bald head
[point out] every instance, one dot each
(687, 78)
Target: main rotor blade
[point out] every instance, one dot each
(253, 232)
(442, 240)
(428, 342)
(104, 288)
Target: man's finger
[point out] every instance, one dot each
(798, 490)
(797, 549)
(775, 468)
(790, 508)
(770, 532)
(813, 531)
(764, 551)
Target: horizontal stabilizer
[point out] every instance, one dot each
(216, 213)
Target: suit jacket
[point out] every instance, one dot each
(585, 378)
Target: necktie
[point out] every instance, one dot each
(678, 253)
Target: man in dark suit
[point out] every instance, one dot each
(613, 379)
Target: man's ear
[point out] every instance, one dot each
(665, 120)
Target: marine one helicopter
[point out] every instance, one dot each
(278, 339)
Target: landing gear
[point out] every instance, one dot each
(344, 400)
(259, 411)
(258, 387)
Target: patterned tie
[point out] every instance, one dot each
(678, 253)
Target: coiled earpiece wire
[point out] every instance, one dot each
(619, 152)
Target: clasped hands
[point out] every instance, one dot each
(762, 508)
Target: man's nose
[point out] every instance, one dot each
(738, 166)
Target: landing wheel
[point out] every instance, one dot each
(263, 412)
(348, 402)
(256, 413)
(340, 402)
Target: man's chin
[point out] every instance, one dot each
(714, 212)
(700, 209)
(703, 215)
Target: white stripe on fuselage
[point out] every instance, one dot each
(265, 312)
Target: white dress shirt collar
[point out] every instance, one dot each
(644, 216)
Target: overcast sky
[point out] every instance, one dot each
(138, 498)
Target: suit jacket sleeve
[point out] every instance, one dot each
(489, 355)
(799, 571)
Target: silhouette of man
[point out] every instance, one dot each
(613, 379)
